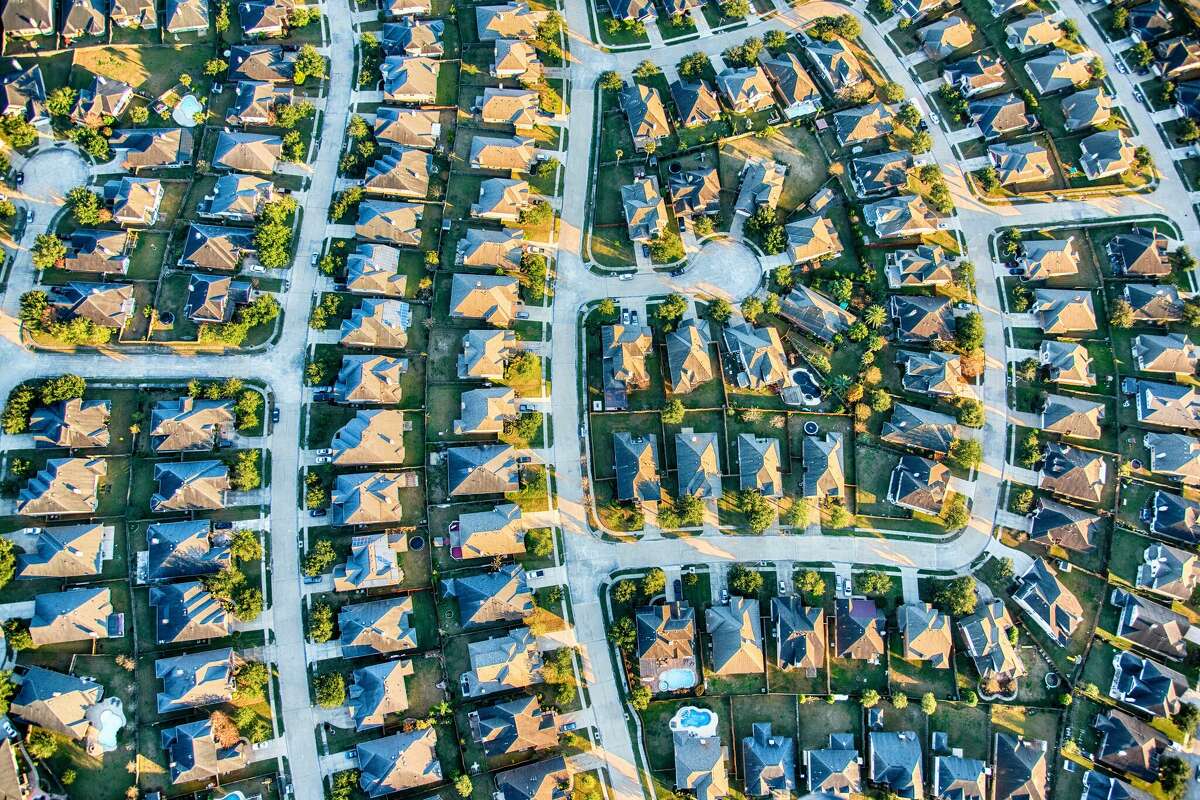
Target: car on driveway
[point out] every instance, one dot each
(318, 512)
(646, 250)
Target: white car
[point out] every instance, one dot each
(324, 459)
(627, 276)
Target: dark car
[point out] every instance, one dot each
(20, 178)
(320, 396)
(318, 512)
(275, 414)
(646, 250)
(678, 588)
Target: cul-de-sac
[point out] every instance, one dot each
(599, 399)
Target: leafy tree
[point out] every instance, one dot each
(870, 698)
(16, 633)
(672, 309)
(245, 546)
(892, 92)
(639, 697)
(752, 308)
(797, 513)
(1173, 774)
(735, 9)
(462, 785)
(646, 69)
(693, 66)
(87, 206)
(48, 250)
(880, 400)
(330, 689)
(7, 689)
(899, 701)
(956, 514)
(744, 581)
(672, 413)
(970, 413)
(667, 247)
(60, 101)
(970, 698)
(1120, 18)
(246, 475)
(775, 39)
(63, 387)
(839, 516)
(719, 310)
(215, 66)
(758, 510)
(921, 142)
(344, 784)
(968, 332)
(623, 634)
(319, 558)
(536, 214)
(610, 81)
(875, 316)
(874, 583)
(40, 743)
(1141, 55)
(654, 583)
(1121, 315)
(624, 591)
(539, 542)
(929, 704)
(1186, 718)
(966, 453)
(15, 130)
(320, 622)
(811, 584)
(958, 596)
(1096, 67)
(250, 680)
(745, 54)
(702, 226)
(309, 63)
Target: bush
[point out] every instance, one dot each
(639, 697)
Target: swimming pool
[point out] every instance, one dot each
(697, 721)
(808, 385)
(675, 679)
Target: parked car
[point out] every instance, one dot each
(569, 726)
(525, 408)
(625, 276)
(325, 451)
(275, 414)
(318, 512)
(320, 396)
(675, 273)
(20, 178)
(624, 316)
(324, 459)
(646, 250)
(522, 315)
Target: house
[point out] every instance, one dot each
(1059, 71)
(194, 680)
(491, 249)
(541, 780)
(414, 37)
(491, 298)
(485, 598)
(502, 200)
(1031, 33)
(70, 707)
(187, 612)
(1106, 153)
(28, 18)
(975, 75)
(924, 265)
(250, 62)
(957, 778)
(239, 151)
(216, 247)
(896, 762)
(920, 319)
(1049, 258)
(509, 661)
(484, 354)
(1050, 605)
(1168, 405)
(934, 373)
(1097, 786)
(695, 192)
(508, 21)
(1068, 363)
(514, 726)
(698, 464)
(1087, 108)
(746, 89)
(1177, 58)
(736, 633)
(214, 298)
(135, 201)
(688, 361)
(1146, 685)
(825, 471)
(761, 185)
(635, 460)
(1169, 353)
(189, 423)
(520, 108)
(485, 410)
(916, 428)
(106, 305)
(646, 114)
(925, 632)
(407, 8)
(376, 691)
(370, 380)
(881, 173)
(1073, 473)
(696, 103)
(759, 354)
(1150, 21)
(150, 148)
(399, 172)
(795, 91)
(185, 549)
(919, 485)
(515, 58)
(482, 469)
(372, 269)
(700, 762)
(1056, 525)
(194, 754)
(408, 79)
(628, 10)
(1018, 768)
(985, 639)
(815, 313)
(24, 89)
(265, 17)
(863, 124)
(800, 635)
(190, 486)
(644, 209)
(1174, 456)
(1155, 628)
(237, 198)
(758, 465)
(1168, 571)
(945, 36)
(65, 551)
(1023, 162)
(255, 103)
(837, 67)
(835, 769)
(811, 239)
(1172, 517)
(666, 646)
(901, 217)
(398, 762)
(1000, 115)
(102, 99)
(408, 127)
(1073, 416)
(1187, 98)
(370, 498)
(63, 486)
(370, 437)
(377, 322)
(1140, 252)
(74, 615)
(510, 154)
(377, 627)
(1128, 745)
(769, 762)
(859, 628)
(1064, 311)
(74, 423)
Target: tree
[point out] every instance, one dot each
(811, 584)
(745, 582)
(344, 784)
(246, 475)
(639, 697)
(719, 310)
(672, 413)
(870, 698)
(16, 633)
(1186, 718)
(735, 9)
(40, 743)
(1141, 55)
(966, 453)
(320, 622)
(1096, 67)
(610, 81)
(758, 510)
(63, 387)
(880, 400)
(968, 332)
(15, 130)
(899, 701)
(970, 413)
(7, 689)
(746, 54)
(928, 704)
(1120, 18)
(908, 115)
(87, 206)
(1142, 160)
(250, 680)
(1121, 315)
(672, 309)
(848, 26)
(957, 597)
(1173, 774)
(539, 542)
(693, 65)
(319, 558)
(462, 785)
(797, 513)
(60, 101)
(875, 583)
(48, 250)
(308, 63)
(971, 698)
(245, 546)
(702, 226)
(654, 583)
(330, 690)
(623, 634)
(646, 69)
(775, 39)
(892, 92)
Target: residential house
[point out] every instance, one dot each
(795, 91)
(1000, 115)
(1059, 71)
(482, 469)
(135, 201)
(1172, 517)
(759, 465)
(769, 762)
(735, 630)
(216, 247)
(194, 680)
(824, 470)
(508, 661)
(1067, 363)
(834, 770)
(485, 410)
(373, 436)
(484, 354)
(63, 486)
(1087, 108)
(502, 200)
(881, 173)
(520, 108)
(700, 763)
(925, 633)
(1155, 628)
(512, 20)
(152, 148)
(975, 75)
(409, 79)
(377, 691)
(761, 184)
(919, 485)
(934, 373)
(1073, 473)
(74, 615)
(1174, 456)
(698, 464)
(399, 172)
(237, 198)
(903, 217)
(1146, 685)
(414, 37)
(815, 313)
(28, 18)
(486, 598)
(1105, 154)
(392, 223)
(945, 36)
(373, 269)
(1057, 525)
(695, 192)
(1073, 416)
(811, 239)
(1049, 258)
(1018, 768)
(515, 58)
(759, 355)
(491, 298)
(187, 612)
(1140, 252)
(238, 151)
(896, 763)
(377, 322)
(836, 65)
(185, 549)
(1050, 605)
(863, 124)
(1128, 745)
(644, 209)
(666, 646)
(377, 627)
(250, 62)
(399, 762)
(408, 127)
(923, 265)
(514, 726)
(68, 706)
(1178, 58)
(214, 298)
(646, 114)
(370, 498)
(912, 427)
(491, 249)
(1171, 353)
(506, 153)
(194, 754)
(635, 460)
(189, 423)
(65, 551)
(746, 89)
(985, 639)
(255, 103)
(74, 423)
(101, 100)
(24, 89)
(800, 635)
(696, 103)
(1022, 162)
(1168, 571)
(1031, 33)
(859, 628)
(920, 319)
(190, 486)
(1064, 311)
(541, 780)
(370, 380)
(1168, 405)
